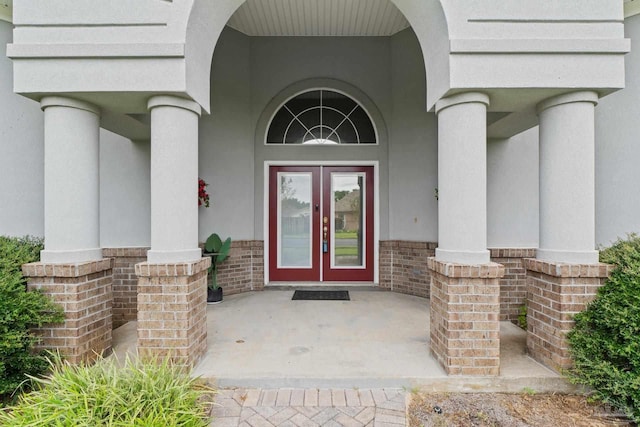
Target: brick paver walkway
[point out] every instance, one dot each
(309, 408)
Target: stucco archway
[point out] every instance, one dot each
(207, 20)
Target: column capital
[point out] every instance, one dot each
(63, 101)
(174, 101)
(69, 256)
(462, 98)
(568, 98)
(568, 256)
(463, 256)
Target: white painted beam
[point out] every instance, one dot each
(511, 125)
(125, 125)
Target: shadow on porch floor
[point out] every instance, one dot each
(378, 339)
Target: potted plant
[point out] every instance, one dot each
(218, 250)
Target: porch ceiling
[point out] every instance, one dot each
(318, 18)
(631, 7)
(6, 10)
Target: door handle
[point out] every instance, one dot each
(325, 229)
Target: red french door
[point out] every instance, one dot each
(294, 215)
(321, 223)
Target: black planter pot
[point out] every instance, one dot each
(214, 296)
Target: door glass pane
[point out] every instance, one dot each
(347, 217)
(294, 217)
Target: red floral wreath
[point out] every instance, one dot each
(203, 196)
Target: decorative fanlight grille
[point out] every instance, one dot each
(321, 117)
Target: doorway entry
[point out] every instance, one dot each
(321, 224)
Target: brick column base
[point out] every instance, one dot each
(465, 312)
(556, 292)
(172, 310)
(84, 290)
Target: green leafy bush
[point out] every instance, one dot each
(139, 393)
(605, 343)
(19, 311)
(522, 317)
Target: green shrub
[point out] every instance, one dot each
(522, 317)
(19, 311)
(605, 343)
(137, 394)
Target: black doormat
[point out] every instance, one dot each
(321, 295)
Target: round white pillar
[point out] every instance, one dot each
(174, 180)
(567, 178)
(462, 179)
(71, 181)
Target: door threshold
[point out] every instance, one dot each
(322, 286)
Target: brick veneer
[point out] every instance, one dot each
(403, 266)
(556, 292)
(243, 270)
(172, 317)
(513, 286)
(84, 292)
(465, 310)
(125, 282)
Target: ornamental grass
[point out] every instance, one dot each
(110, 394)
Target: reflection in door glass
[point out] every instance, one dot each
(294, 210)
(348, 200)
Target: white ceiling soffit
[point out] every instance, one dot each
(318, 18)
(6, 10)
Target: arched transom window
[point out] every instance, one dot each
(321, 116)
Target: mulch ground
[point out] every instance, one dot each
(509, 410)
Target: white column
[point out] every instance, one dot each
(174, 180)
(462, 179)
(567, 178)
(71, 181)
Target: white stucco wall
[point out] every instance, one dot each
(512, 191)
(413, 147)
(362, 63)
(125, 198)
(226, 143)
(21, 154)
(618, 151)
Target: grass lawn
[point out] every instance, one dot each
(347, 250)
(346, 235)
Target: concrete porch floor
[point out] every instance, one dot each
(378, 339)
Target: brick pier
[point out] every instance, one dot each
(172, 317)
(465, 313)
(556, 293)
(84, 292)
